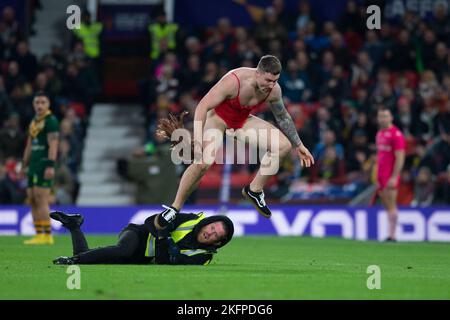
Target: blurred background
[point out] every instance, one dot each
(133, 62)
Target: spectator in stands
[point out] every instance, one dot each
(284, 14)
(340, 51)
(357, 154)
(428, 48)
(192, 74)
(41, 82)
(352, 19)
(384, 95)
(12, 138)
(9, 24)
(4, 190)
(320, 122)
(402, 55)
(54, 83)
(6, 106)
(77, 52)
(73, 88)
(192, 46)
(442, 193)
(363, 66)
(270, 28)
(374, 47)
(226, 34)
(337, 86)
(307, 74)
(211, 76)
(408, 121)
(64, 186)
(21, 99)
(305, 15)
(424, 188)
(167, 83)
(437, 155)
(411, 21)
(12, 183)
(330, 168)
(329, 141)
(428, 86)
(66, 158)
(14, 77)
(26, 60)
(406, 188)
(67, 134)
(441, 24)
(295, 88)
(364, 125)
(439, 62)
(326, 68)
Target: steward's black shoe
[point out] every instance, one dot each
(64, 260)
(257, 200)
(68, 220)
(389, 239)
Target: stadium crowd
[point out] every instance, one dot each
(70, 81)
(336, 75)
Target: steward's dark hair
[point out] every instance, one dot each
(41, 94)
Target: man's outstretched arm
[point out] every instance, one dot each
(287, 126)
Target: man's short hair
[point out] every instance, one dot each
(269, 64)
(226, 229)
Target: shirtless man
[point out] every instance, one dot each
(227, 106)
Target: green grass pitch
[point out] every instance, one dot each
(248, 268)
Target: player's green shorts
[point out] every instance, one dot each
(36, 177)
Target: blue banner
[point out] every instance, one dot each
(205, 13)
(126, 21)
(360, 223)
(424, 8)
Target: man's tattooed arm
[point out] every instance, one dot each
(285, 122)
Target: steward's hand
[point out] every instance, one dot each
(173, 249)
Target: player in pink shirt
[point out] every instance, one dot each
(390, 159)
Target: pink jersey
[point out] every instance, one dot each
(388, 141)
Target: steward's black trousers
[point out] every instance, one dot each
(130, 249)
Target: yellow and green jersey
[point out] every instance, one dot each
(39, 128)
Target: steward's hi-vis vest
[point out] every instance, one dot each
(90, 34)
(158, 33)
(177, 235)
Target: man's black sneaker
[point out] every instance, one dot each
(257, 200)
(389, 239)
(68, 220)
(64, 260)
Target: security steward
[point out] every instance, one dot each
(163, 34)
(186, 238)
(89, 33)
